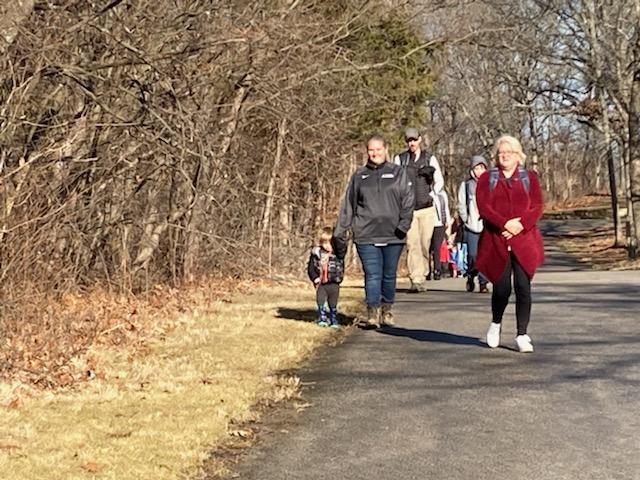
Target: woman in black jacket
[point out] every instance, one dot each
(377, 209)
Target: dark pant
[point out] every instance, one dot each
(436, 241)
(502, 292)
(471, 239)
(328, 293)
(380, 264)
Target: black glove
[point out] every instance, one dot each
(400, 234)
(339, 247)
(427, 171)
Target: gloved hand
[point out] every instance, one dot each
(400, 234)
(427, 171)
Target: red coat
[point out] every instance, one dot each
(508, 200)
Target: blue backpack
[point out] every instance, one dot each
(494, 174)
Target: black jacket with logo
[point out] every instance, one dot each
(378, 205)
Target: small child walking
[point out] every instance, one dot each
(326, 271)
(457, 249)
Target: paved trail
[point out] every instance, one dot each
(428, 400)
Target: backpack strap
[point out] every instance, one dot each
(524, 178)
(443, 203)
(424, 157)
(494, 174)
(466, 194)
(523, 174)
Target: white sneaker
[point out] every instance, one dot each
(524, 343)
(493, 335)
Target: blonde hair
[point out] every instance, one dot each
(514, 143)
(326, 235)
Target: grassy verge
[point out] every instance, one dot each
(595, 248)
(156, 413)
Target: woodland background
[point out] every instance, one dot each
(149, 145)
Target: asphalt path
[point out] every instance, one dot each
(428, 400)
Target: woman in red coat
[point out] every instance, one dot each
(510, 203)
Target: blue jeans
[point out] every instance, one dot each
(472, 239)
(380, 265)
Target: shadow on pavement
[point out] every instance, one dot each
(308, 315)
(431, 336)
(410, 292)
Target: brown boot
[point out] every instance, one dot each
(386, 315)
(373, 317)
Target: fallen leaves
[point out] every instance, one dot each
(46, 337)
(90, 467)
(242, 433)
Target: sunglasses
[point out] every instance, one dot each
(411, 139)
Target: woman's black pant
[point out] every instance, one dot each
(438, 237)
(502, 292)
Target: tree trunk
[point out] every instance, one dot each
(266, 217)
(606, 131)
(534, 142)
(285, 212)
(202, 178)
(634, 150)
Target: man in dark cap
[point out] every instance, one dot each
(425, 175)
(468, 211)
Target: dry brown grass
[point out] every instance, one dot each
(595, 247)
(155, 413)
(593, 200)
(46, 339)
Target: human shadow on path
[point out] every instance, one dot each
(454, 291)
(309, 315)
(432, 336)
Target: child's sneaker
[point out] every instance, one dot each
(524, 343)
(322, 321)
(333, 318)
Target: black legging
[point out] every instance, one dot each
(438, 237)
(502, 292)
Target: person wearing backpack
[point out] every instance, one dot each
(510, 203)
(424, 173)
(468, 210)
(441, 232)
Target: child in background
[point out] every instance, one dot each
(457, 249)
(326, 270)
(441, 229)
(456, 259)
(445, 258)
